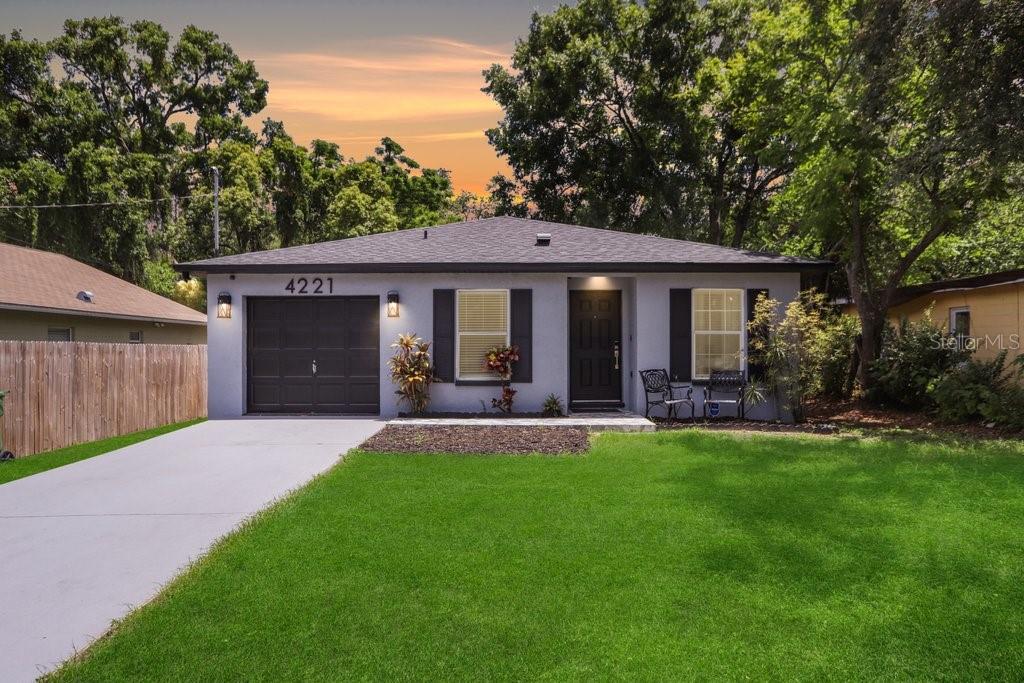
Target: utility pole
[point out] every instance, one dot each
(216, 210)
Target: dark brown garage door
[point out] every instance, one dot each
(314, 355)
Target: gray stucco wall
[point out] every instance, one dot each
(645, 328)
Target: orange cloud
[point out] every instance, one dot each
(423, 91)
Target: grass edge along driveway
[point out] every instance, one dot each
(48, 460)
(670, 555)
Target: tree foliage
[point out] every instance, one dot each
(887, 135)
(123, 113)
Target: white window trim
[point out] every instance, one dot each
(458, 335)
(135, 341)
(693, 330)
(952, 318)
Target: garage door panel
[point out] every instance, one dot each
(296, 363)
(364, 392)
(331, 335)
(264, 395)
(333, 364)
(331, 394)
(287, 334)
(297, 335)
(297, 395)
(364, 363)
(296, 310)
(268, 310)
(264, 337)
(265, 364)
(332, 309)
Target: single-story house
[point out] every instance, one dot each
(308, 329)
(46, 296)
(985, 312)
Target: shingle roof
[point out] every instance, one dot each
(502, 244)
(41, 280)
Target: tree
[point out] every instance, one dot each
(641, 116)
(600, 123)
(364, 204)
(423, 198)
(99, 115)
(291, 179)
(907, 115)
(140, 82)
(506, 197)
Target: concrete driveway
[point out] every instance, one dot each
(82, 545)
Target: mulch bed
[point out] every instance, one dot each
(465, 439)
(856, 414)
(833, 417)
(734, 424)
(496, 414)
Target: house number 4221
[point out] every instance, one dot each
(316, 285)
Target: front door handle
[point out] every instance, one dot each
(615, 352)
(314, 367)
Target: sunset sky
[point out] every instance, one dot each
(351, 72)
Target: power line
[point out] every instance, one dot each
(15, 207)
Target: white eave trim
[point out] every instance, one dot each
(965, 289)
(97, 314)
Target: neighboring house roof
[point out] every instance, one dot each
(905, 294)
(34, 280)
(503, 244)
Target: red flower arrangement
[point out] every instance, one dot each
(499, 360)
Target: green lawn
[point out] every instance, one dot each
(672, 555)
(40, 462)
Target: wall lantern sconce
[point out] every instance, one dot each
(392, 304)
(223, 305)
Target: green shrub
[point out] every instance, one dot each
(553, 406)
(1007, 408)
(967, 391)
(914, 356)
(801, 350)
(835, 346)
(982, 390)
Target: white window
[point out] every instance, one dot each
(960, 322)
(59, 334)
(717, 331)
(481, 322)
(135, 337)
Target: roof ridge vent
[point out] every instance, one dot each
(85, 296)
(543, 239)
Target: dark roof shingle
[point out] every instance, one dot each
(502, 244)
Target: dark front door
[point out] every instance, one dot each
(314, 355)
(595, 333)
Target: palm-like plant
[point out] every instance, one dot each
(411, 371)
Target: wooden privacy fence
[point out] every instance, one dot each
(63, 393)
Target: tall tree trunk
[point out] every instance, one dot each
(716, 205)
(743, 215)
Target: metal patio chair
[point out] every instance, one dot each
(729, 384)
(660, 391)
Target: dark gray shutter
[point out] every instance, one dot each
(755, 369)
(443, 347)
(680, 339)
(521, 333)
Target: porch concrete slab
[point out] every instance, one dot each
(85, 543)
(594, 422)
